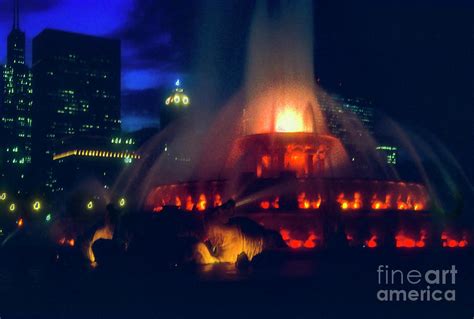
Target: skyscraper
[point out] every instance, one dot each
(349, 119)
(16, 109)
(77, 82)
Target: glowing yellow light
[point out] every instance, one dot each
(37, 206)
(185, 100)
(202, 203)
(168, 101)
(289, 120)
(3, 196)
(90, 205)
(12, 207)
(122, 202)
(306, 204)
(176, 99)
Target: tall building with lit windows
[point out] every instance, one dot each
(16, 108)
(77, 82)
(388, 153)
(352, 121)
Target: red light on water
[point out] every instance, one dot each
(217, 200)
(372, 242)
(276, 203)
(265, 204)
(404, 241)
(285, 234)
(309, 242)
(449, 242)
(294, 243)
(420, 244)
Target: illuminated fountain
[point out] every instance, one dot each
(282, 167)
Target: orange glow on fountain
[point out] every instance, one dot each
(347, 204)
(377, 204)
(305, 202)
(287, 107)
(271, 154)
(289, 120)
(189, 203)
(409, 204)
(202, 203)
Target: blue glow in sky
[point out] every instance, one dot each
(95, 17)
(108, 18)
(141, 70)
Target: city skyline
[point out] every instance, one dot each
(257, 159)
(399, 82)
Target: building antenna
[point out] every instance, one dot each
(16, 15)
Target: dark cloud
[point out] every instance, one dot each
(159, 34)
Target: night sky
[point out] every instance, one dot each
(413, 59)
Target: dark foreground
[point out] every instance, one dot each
(282, 285)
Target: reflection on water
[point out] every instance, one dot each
(290, 265)
(221, 271)
(319, 282)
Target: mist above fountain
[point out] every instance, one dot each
(280, 88)
(270, 150)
